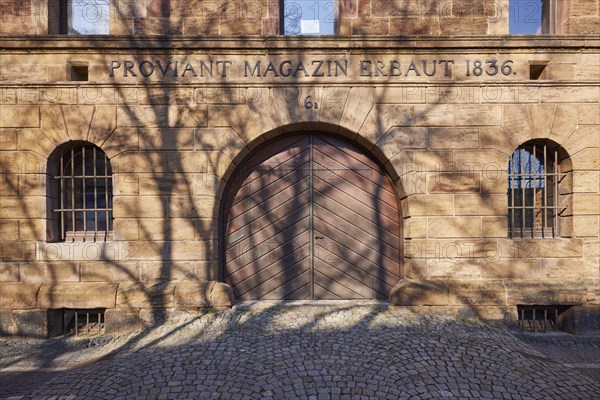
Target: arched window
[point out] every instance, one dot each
(80, 193)
(534, 176)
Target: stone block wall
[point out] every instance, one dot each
(578, 17)
(261, 17)
(406, 18)
(174, 143)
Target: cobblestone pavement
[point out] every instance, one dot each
(315, 352)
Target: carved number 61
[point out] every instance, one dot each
(491, 67)
(308, 103)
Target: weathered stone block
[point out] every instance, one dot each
(135, 295)
(480, 115)
(415, 228)
(30, 323)
(370, 26)
(479, 293)
(238, 117)
(587, 159)
(534, 293)
(384, 117)
(453, 182)
(494, 227)
(398, 139)
(78, 120)
(588, 114)
(109, 272)
(169, 229)
(187, 116)
(536, 248)
(103, 124)
(569, 95)
(22, 208)
(9, 230)
(120, 321)
(81, 251)
(586, 181)
(193, 294)
(19, 116)
(449, 138)
(571, 268)
(221, 295)
(141, 116)
(586, 204)
(431, 205)
(463, 227)
(586, 226)
(475, 204)
(494, 267)
(140, 207)
(120, 141)
(591, 247)
(18, 296)
(49, 272)
(457, 26)
(434, 115)
(223, 139)
(8, 139)
(415, 26)
(359, 104)
(9, 272)
(420, 293)
(77, 295)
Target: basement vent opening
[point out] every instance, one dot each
(537, 71)
(544, 318)
(78, 73)
(76, 322)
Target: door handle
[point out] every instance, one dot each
(319, 237)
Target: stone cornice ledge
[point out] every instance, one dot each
(291, 43)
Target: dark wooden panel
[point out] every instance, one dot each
(274, 279)
(365, 270)
(248, 259)
(267, 234)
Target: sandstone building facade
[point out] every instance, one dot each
(190, 154)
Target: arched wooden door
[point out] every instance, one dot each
(311, 216)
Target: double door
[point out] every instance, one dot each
(311, 216)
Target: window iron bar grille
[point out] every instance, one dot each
(87, 322)
(533, 179)
(538, 318)
(85, 194)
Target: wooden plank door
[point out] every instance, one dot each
(268, 224)
(355, 223)
(311, 217)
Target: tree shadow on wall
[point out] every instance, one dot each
(171, 150)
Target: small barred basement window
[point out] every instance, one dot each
(533, 191)
(76, 322)
(80, 193)
(544, 318)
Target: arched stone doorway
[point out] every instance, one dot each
(311, 216)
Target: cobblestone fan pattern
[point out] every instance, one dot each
(305, 352)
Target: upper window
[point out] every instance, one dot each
(80, 193)
(533, 191)
(530, 17)
(79, 17)
(308, 17)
